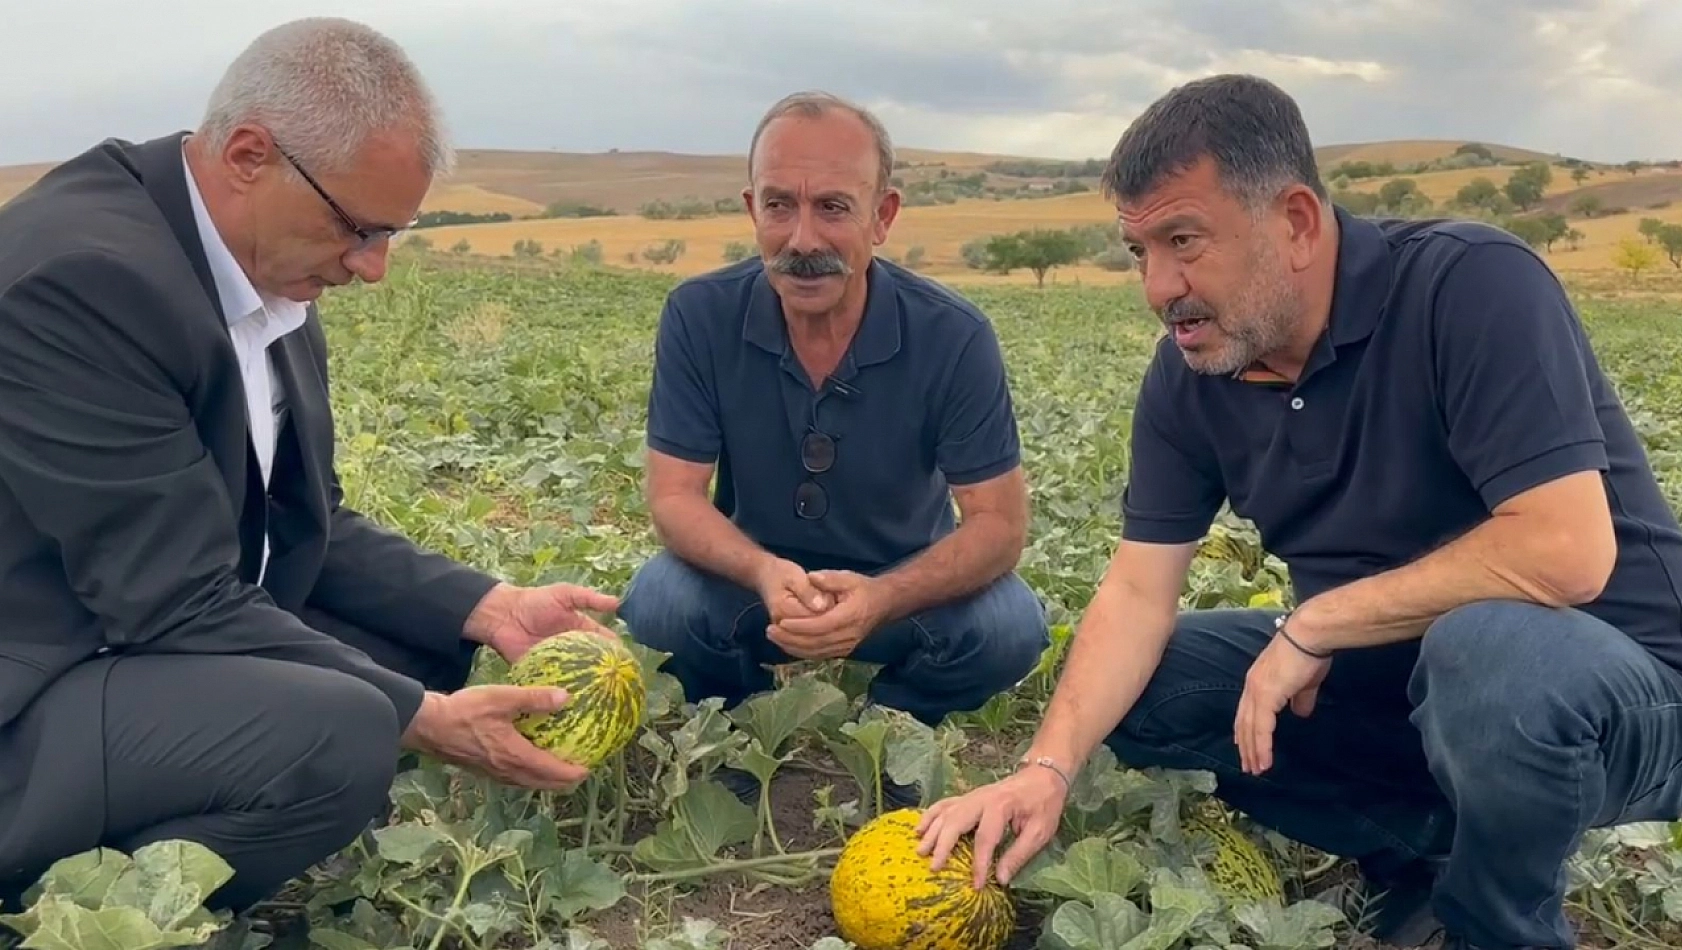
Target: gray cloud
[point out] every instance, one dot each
(1054, 77)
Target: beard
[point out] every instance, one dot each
(1258, 322)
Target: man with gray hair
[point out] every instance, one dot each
(844, 404)
(201, 640)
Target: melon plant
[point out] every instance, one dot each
(885, 896)
(606, 690)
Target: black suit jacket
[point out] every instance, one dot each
(132, 514)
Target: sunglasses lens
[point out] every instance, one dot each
(810, 500)
(817, 452)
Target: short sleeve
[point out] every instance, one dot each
(1174, 488)
(682, 401)
(977, 434)
(1513, 370)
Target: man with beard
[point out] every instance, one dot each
(1485, 657)
(844, 404)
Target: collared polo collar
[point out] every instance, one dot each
(1361, 284)
(878, 337)
(1363, 279)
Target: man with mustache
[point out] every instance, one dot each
(844, 404)
(1485, 658)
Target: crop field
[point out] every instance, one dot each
(495, 413)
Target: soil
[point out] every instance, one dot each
(1635, 192)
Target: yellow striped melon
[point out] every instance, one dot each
(885, 896)
(606, 696)
(1240, 871)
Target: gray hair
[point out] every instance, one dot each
(322, 86)
(1248, 126)
(814, 105)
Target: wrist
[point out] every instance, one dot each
(1059, 769)
(762, 571)
(490, 614)
(884, 598)
(1297, 629)
(418, 737)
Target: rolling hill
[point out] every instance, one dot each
(627, 202)
(523, 183)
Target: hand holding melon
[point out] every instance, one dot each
(511, 619)
(607, 696)
(886, 896)
(473, 728)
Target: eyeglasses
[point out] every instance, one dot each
(365, 236)
(817, 456)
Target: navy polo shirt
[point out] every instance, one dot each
(918, 403)
(1454, 374)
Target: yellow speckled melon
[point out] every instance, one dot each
(1240, 871)
(885, 896)
(606, 693)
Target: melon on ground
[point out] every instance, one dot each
(606, 696)
(1240, 870)
(885, 896)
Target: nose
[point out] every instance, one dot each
(804, 238)
(1164, 282)
(369, 263)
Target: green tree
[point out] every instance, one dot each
(1670, 240)
(1526, 186)
(1477, 193)
(1586, 205)
(1395, 192)
(1038, 250)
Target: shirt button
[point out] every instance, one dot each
(1296, 403)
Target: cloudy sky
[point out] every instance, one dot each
(1600, 80)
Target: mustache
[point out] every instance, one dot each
(815, 264)
(1178, 311)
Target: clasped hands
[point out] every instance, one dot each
(474, 727)
(819, 615)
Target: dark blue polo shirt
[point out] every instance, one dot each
(919, 402)
(1454, 374)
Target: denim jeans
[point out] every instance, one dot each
(1495, 741)
(950, 658)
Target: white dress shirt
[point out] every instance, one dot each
(255, 320)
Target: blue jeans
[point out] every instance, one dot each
(950, 658)
(1496, 740)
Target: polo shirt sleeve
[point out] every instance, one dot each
(1174, 487)
(682, 400)
(1512, 368)
(978, 437)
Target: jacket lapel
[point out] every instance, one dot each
(297, 501)
(159, 164)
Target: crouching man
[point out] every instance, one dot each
(1486, 658)
(843, 405)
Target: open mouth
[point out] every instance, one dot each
(1189, 330)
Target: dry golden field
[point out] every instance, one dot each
(941, 230)
(524, 183)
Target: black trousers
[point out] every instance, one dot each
(274, 765)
